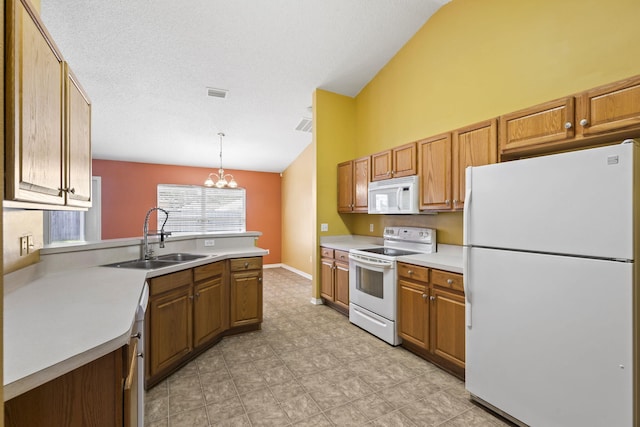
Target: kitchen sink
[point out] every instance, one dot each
(143, 264)
(180, 257)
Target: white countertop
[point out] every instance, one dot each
(58, 322)
(447, 257)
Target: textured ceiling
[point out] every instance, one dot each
(146, 66)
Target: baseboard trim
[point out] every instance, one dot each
(291, 269)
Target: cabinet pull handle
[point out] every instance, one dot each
(141, 355)
(584, 122)
(136, 335)
(449, 281)
(568, 125)
(71, 190)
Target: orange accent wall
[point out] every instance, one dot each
(129, 190)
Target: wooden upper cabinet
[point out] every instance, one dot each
(353, 185)
(48, 118)
(609, 108)
(537, 126)
(394, 163)
(78, 142)
(434, 166)
(34, 112)
(474, 145)
(345, 187)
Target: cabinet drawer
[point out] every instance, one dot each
(341, 256)
(447, 280)
(165, 283)
(326, 252)
(241, 264)
(208, 270)
(415, 272)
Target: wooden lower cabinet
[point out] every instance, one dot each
(210, 306)
(334, 279)
(91, 395)
(192, 309)
(246, 291)
(431, 315)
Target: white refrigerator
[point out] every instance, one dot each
(552, 292)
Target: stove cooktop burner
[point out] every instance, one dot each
(389, 251)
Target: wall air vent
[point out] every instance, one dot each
(217, 93)
(305, 125)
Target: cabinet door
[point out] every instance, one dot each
(609, 108)
(34, 125)
(209, 310)
(534, 129)
(413, 313)
(170, 328)
(345, 187)
(246, 298)
(361, 176)
(78, 143)
(326, 278)
(381, 165)
(472, 146)
(404, 160)
(342, 284)
(447, 326)
(434, 165)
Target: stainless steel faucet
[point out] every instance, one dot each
(146, 252)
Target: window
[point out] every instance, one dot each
(196, 209)
(76, 226)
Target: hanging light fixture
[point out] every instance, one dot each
(220, 179)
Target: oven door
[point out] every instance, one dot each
(372, 284)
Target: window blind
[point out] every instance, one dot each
(195, 209)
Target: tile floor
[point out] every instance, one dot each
(309, 366)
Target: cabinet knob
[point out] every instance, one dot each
(449, 281)
(568, 125)
(136, 335)
(191, 297)
(141, 355)
(432, 298)
(455, 202)
(447, 202)
(424, 296)
(197, 294)
(409, 272)
(584, 122)
(246, 265)
(71, 190)
(259, 279)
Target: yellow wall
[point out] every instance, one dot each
(477, 59)
(334, 132)
(297, 215)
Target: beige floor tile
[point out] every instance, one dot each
(309, 366)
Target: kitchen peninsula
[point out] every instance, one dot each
(70, 310)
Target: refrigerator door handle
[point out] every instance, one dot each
(466, 285)
(466, 214)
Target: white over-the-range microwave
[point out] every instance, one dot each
(394, 196)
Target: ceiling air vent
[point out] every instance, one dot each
(217, 93)
(305, 125)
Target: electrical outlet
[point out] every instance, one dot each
(24, 246)
(324, 227)
(371, 228)
(209, 242)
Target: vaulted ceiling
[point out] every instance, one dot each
(146, 66)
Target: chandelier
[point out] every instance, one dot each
(220, 179)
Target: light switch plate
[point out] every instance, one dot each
(371, 228)
(209, 242)
(324, 227)
(24, 246)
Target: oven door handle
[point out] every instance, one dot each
(383, 264)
